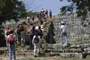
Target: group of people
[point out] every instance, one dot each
(44, 15)
(20, 37)
(34, 34)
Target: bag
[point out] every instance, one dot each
(21, 28)
(28, 18)
(36, 40)
(7, 32)
(31, 23)
(46, 12)
(40, 19)
(18, 31)
(11, 39)
(39, 31)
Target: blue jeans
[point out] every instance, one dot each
(12, 50)
(65, 34)
(31, 37)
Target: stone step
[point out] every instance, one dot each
(72, 55)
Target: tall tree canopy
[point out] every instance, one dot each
(80, 6)
(11, 9)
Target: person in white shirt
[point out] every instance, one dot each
(36, 45)
(6, 35)
(63, 32)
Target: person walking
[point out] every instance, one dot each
(36, 41)
(63, 33)
(11, 41)
(23, 33)
(50, 14)
(32, 33)
(18, 36)
(46, 13)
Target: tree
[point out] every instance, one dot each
(9, 9)
(80, 6)
(49, 37)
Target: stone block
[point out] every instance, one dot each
(79, 55)
(88, 48)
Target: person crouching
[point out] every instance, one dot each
(36, 41)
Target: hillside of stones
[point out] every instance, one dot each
(57, 51)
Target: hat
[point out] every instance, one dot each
(37, 27)
(11, 30)
(62, 22)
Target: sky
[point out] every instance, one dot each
(53, 5)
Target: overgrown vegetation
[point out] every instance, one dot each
(49, 37)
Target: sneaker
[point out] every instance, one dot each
(38, 52)
(35, 56)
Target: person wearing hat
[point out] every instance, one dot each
(6, 35)
(11, 46)
(63, 32)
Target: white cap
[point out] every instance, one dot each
(37, 27)
(62, 22)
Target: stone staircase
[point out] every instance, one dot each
(75, 50)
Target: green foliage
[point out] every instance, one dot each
(80, 6)
(30, 14)
(11, 9)
(49, 37)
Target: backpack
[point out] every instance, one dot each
(18, 31)
(7, 32)
(21, 28)
(36, 40)
(28, 18)
(46, 12)
(39, 31)
(11, 39)
(40, 19)
(31, 23)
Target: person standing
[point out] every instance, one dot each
(50, 14)
(63, 33)
(11, 41)
(7, 32)
(46, 13)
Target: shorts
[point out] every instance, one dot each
(18, 37)
(23, 35)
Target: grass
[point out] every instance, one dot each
(31, 59)
(59, 59)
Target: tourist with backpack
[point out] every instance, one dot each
(36, 41)
(50, 14)
(28, 18)
(11, 41)
(7, 32)
(46, 13)
(45, 19)
(18, 36)
(32, 33)
(23, 33)
(41, 21)
(63, 33)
